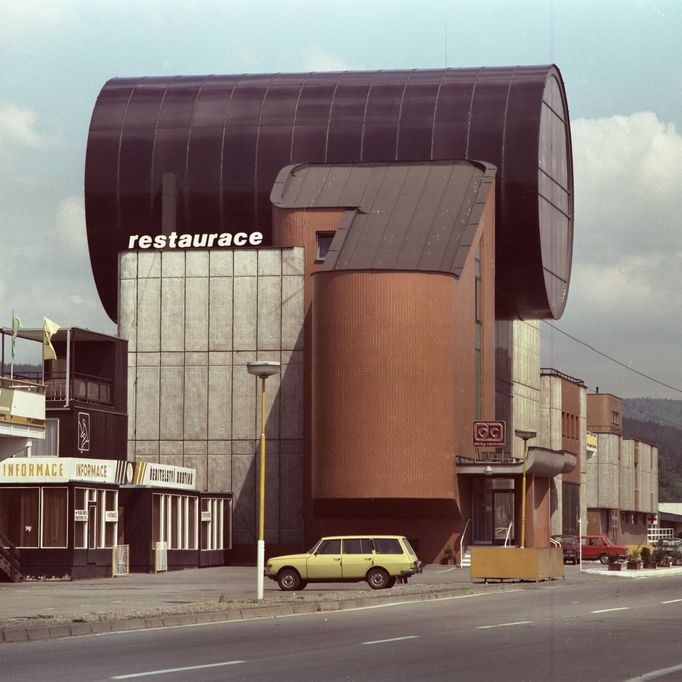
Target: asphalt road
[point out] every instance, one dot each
(588, 631)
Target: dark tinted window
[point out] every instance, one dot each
(324, 241)
(357, 546)
(329, 547)
(387, 546)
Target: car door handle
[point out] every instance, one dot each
(368, 558)
(337, 558)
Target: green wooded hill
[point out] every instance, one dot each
(659, 421)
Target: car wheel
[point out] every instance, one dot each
(289, 580)
(378, 579)
(604, 558)
(391, 581)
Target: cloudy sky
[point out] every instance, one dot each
(622, 65)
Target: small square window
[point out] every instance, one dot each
(324, 242)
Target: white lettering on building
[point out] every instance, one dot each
(194, 241)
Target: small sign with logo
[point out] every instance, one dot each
(83, 432)
(489, 434)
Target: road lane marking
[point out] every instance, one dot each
(504, 625)
(167, 671)
(620, 608)
(392, 639)
(656, 673)
(671, 601)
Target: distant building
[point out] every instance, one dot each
(622, 476)
(563, 419)
(669, 519)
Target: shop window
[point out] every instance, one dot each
(174, 520)
(80, 517)
(157, 520)
(110, 517)
(55, 505)
(192, 522)
(212, 523)
(19, 515)
(95, 518)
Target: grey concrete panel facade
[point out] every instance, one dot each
(193, 320)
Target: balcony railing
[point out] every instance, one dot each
(84, 388)
(21, 384)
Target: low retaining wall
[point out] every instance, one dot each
(515, 563)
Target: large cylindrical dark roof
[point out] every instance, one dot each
(226, 138)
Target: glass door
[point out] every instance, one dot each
(493, 512)
(483, 517)
(503, 505)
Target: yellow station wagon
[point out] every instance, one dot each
(378, 559)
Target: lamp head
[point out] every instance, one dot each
(524, 434)
(263, 368)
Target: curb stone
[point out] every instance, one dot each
(218, 615)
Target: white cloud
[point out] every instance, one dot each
(624, 296)
(628, 171)
(18, 15)
(70, 227)
(319, 60)
(18, 128)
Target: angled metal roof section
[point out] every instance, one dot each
(400, 216)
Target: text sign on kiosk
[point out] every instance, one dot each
(489, 433)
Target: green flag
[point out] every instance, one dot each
(16, 326)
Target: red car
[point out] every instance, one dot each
(601, 547)
(569, 546)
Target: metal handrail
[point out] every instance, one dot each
(10, 559)
(461, 542)
(506, 539)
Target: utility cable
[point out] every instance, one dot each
(618, 362)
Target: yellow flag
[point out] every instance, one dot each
(49, 328)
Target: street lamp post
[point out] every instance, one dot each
(262, 369)
(525, 436)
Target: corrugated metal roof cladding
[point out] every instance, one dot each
(226, 137)
(403, 216)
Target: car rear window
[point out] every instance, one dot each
(357, 546)
(387, 546)
(408, 546)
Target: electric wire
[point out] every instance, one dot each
(655, 418)
(609, 357)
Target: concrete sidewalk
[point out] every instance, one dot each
(53, 609)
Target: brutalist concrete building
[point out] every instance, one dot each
(391, 238)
